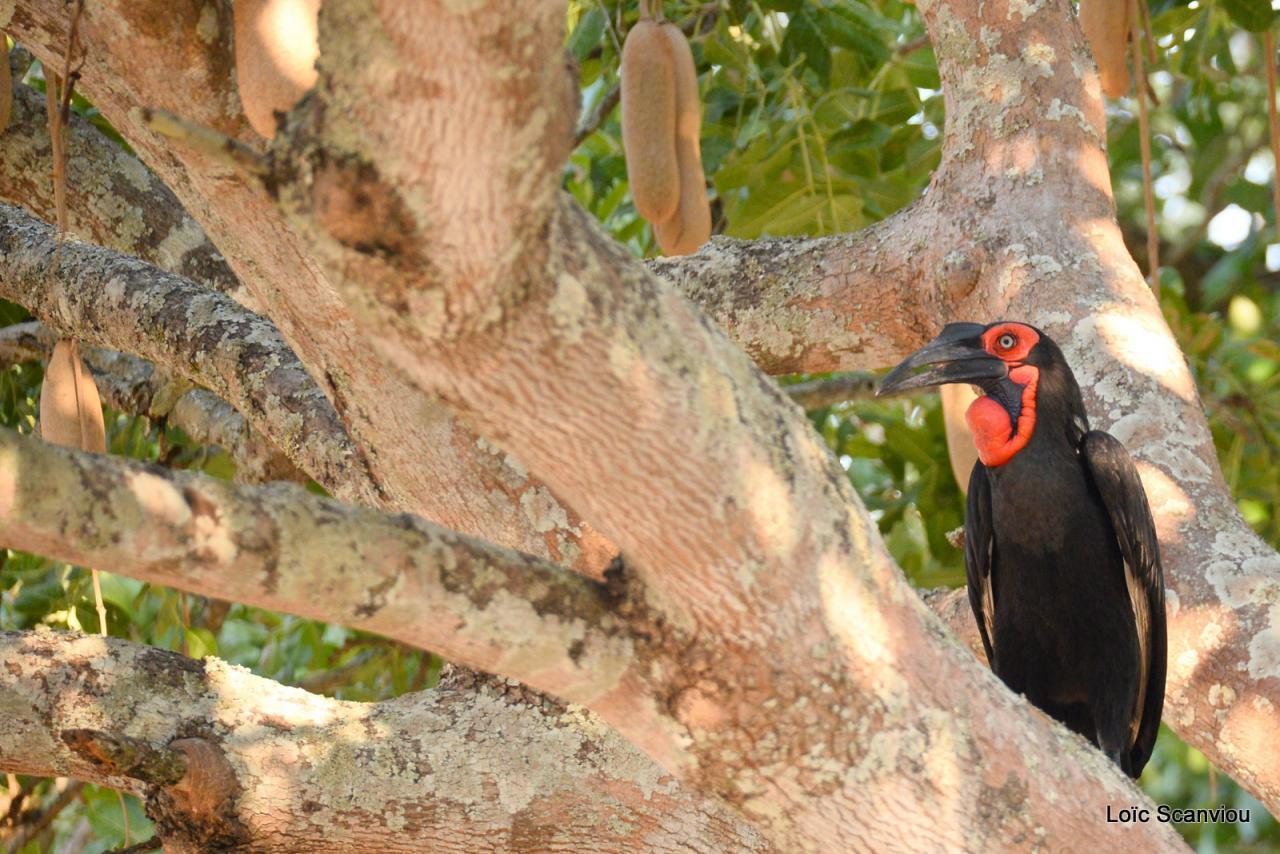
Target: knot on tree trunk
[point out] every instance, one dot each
(961, 270)
(197, 813)
(191, 787)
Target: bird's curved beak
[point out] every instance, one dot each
(959, 356)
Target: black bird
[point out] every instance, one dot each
(1060, 551)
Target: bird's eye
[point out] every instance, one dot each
(1006, 341)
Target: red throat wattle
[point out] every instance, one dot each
(992, 428)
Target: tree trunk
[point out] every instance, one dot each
(754, 671)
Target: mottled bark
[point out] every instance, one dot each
(781, 662)
(25, 342)
(178, 57)
(137, 387)
(278, 546)
(759, 563)
(112, 301)
(808, 305)
(425, 772)
(1019, 222)
(282, 547)
(113, 200)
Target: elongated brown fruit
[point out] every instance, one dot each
(691, 226)
(1106, 25)
(649, 121)
(70, 409)
(960, 447)
(277, 43)
(6, 83)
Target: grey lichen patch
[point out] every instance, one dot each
(1025, 8)
(950, 35)
(1005, 806)
(1040, 56)
(568, 307)
(1143, 405)
(773, 296)
(179, 243)
(160, 677)
(1058, 110)
(1244, 574)
(1221, 697)
(207, 27)
(137, 175)
(212, 537)
(542, 510)
(469, 749)
(377, 596)
(546, 637)
(991, 92)
(1020, 268)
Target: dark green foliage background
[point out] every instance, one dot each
(820, 116)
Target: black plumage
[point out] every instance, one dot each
(1061, 555)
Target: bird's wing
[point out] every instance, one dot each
(1117, 481)
(979, 555)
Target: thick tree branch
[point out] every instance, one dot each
(112, 301)
(735, 492)
(464, 767)
(114, 200)
(132, 385)
(825, 304)
(281, 547)
(500, 167)
(765, 586)
(773, 583)
(1022, 201)
(135, 386)
(25, 342)
(151, 53)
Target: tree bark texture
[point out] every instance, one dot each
(500, 367)
(431, 771)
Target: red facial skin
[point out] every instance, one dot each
(993, 432)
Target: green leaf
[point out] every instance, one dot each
(806, 39)
(921, 68)
(1253, 15)
(872, 21)
(1230, 272)
(588, 34)
(852, 35)
(103, 809)
(11, 313)
(201, 642)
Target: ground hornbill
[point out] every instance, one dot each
(1060, 551)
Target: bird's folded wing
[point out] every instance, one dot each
(979, 556)
(1118, 483)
